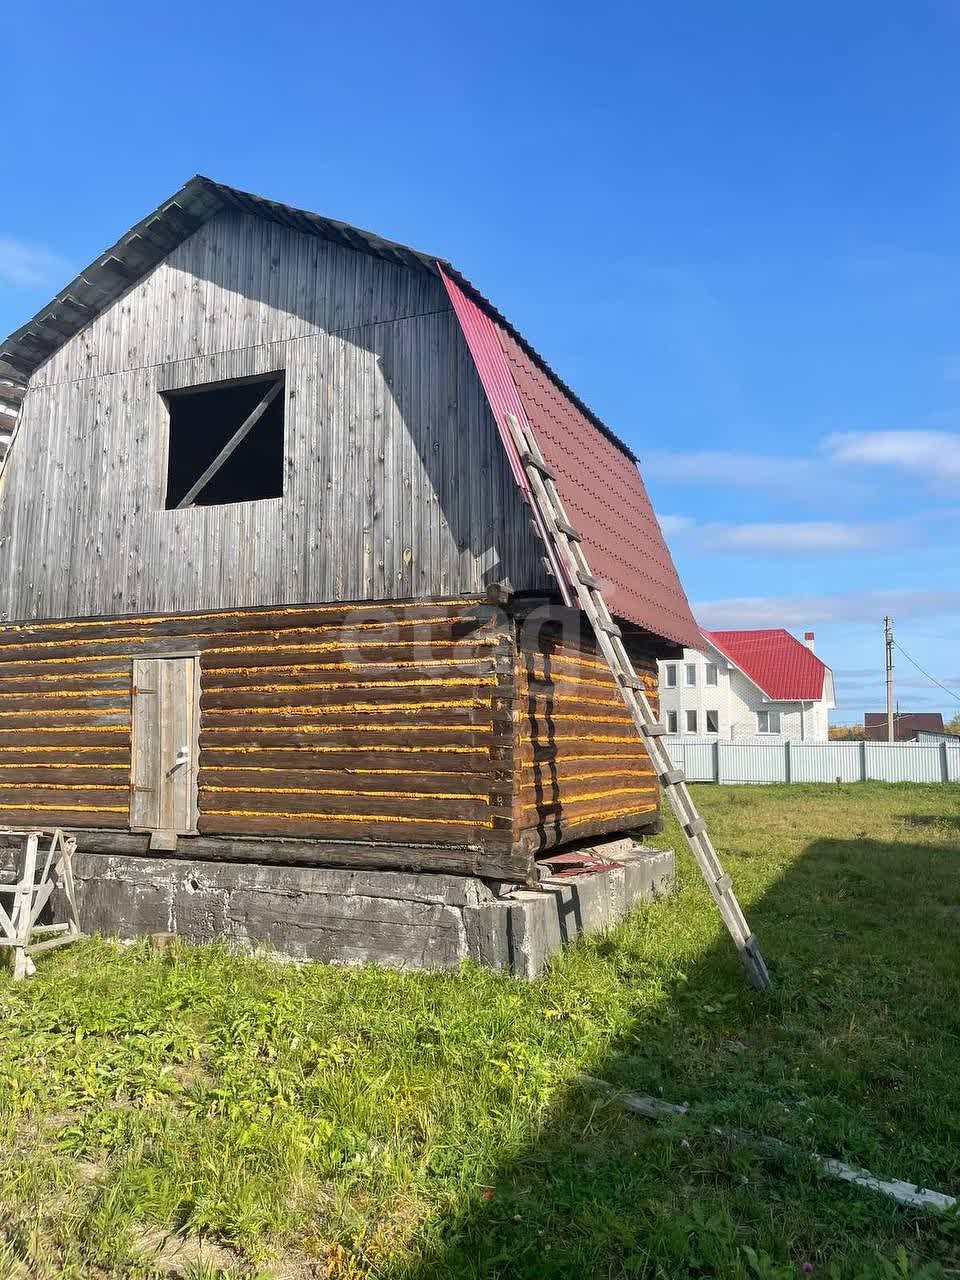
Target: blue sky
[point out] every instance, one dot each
(733, 228)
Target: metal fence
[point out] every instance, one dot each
(710, 760)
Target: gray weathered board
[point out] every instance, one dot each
(395, 483)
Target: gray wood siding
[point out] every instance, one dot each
(395, 483)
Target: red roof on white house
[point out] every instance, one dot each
(777, 663)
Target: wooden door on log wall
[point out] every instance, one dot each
(163, 784)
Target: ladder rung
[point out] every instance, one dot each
(530, 460)
(671, 777)
(655, 730)
(610, 628)
(724, 884)
(589, 580)
(695, 828)
(568, 529)
(630, 682)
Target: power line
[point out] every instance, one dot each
(956, 697)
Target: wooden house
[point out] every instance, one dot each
(271, 587)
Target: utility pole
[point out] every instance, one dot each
(888, 639)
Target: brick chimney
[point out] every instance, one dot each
(808, 639)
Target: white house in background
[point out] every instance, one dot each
(763, 686)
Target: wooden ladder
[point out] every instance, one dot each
(566, 544)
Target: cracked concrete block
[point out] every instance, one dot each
(354, 929)
(519, 934)
(405, 920)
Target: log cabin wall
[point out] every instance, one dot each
(582, 769)
(390, 723)
(395, 482)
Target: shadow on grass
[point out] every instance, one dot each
(922, 820)
(854, 1056)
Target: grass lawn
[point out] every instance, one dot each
(194, 1113)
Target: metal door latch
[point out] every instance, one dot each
(182, 758)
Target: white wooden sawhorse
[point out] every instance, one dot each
(18, 926)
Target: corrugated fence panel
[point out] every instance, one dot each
(699, 761)
(710, 760)
(903, 763)
(826, 761)
(751, 762)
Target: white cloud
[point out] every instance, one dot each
(799, 536)
(30, 266)
(676, 524)
(933, 452)
(720, 467)
(808, 611)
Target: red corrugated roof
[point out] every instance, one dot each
(774, 660)
(598, 480)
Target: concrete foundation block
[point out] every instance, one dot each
(404, 920)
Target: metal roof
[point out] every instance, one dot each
(906, 725)
(600, 486)
(145, 245)
(777, 663)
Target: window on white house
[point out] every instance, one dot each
(670, 672)
(711, 676)
(226, 443)
(713, 721)
(691, 673)
(671, 722)
(691, 722)
(768, 721)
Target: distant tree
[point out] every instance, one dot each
(953, 726)
(845, 733)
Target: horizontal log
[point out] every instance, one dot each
(68, 688)
(358, 639)
(497, 864)
(536, 839)
(562, 783)
(369, 697)
(65, 796)
(330, 654)
(384, 674)
(586, 745)
(465, 610)
(69, 772)
(62, 702)
(371, 723)
(613, 802)
(311, 756)
(62, 817)
(566, 765)
(86, 736)
(429, 831)
(56, 719)
(534, 716)
(413, 736)
(75, 670)
(58, 756)
(347, 803)
(359, 780)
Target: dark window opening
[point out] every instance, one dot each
(216, 453)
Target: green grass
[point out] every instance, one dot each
(195, 1113)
